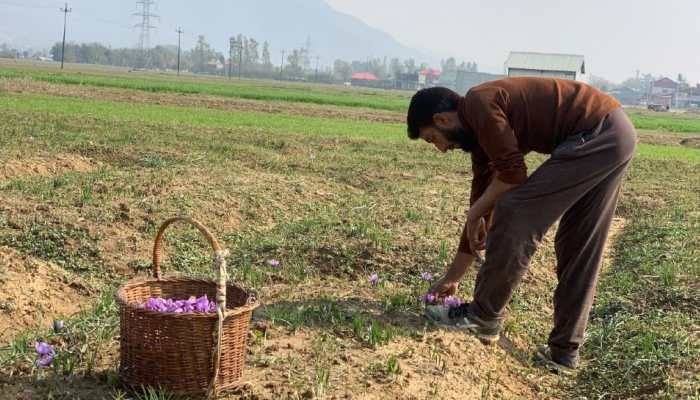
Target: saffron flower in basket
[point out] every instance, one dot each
(191, 305)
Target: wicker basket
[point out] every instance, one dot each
(189, 353)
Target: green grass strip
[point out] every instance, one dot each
(196, 116)
(253, 90)
(264, 122)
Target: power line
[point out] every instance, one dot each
(145, 26)
(65, 12)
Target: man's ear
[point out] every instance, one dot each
(441, 120)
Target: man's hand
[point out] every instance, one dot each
(444, 287)
(476, 232)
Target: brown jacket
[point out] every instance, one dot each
(511, 117)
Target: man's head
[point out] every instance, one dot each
(432, 116)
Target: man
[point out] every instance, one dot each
(591, 141)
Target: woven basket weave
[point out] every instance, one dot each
(188, 353)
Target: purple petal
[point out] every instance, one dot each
(43, 348)
(45, 360)
(273, 263)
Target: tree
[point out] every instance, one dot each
(410, 65)
(601, 83)
(7, 52)
(449, 65)
(294, 63)
(396, 68)
(266, 61)
(376, 66)
(342, 70)
(252, 56)
(201, 53)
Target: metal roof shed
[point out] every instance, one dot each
(553, 65)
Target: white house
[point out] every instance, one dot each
(552, 65)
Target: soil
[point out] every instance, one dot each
(34, 293)
(48, 165)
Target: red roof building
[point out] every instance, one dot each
(431, 73)
(364, 76)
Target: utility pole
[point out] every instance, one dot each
(240, 59)
(231, 48)
(282, 65)
(65, 12)
(179, 37)
(316, 73)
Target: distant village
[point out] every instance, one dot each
(656, 94)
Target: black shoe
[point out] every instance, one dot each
(459, 317)
(559, 363)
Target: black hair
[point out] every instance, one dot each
(425, 104)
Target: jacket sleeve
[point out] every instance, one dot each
(486, 110)
(482, 175)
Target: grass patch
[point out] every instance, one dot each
(199, 117)
(647, 305)
(660, 152)
(253, 90)
(69, 247)
(681, 123)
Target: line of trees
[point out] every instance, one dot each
(246, 56)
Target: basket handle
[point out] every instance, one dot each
(158, 245)
(221, 275)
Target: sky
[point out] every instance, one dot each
(617, 37)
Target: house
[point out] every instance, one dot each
(663, 92)
(461, 80)
(552, 65)
(428, 77)
(364, 79)
(404, 81)
(626, 96)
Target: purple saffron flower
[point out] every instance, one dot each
(43, 348)
(429, 298)
(45, 360)
(426, 276)
(374, 279)
(453, 301)
(193, 304)
(273, 263)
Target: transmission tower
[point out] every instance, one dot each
(146, 14)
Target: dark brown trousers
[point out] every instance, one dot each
(578, 185)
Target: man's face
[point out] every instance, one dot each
(448, 138)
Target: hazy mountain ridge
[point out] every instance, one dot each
(285, 24)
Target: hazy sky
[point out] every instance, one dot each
(616, 36)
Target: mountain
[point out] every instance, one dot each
(286, 24)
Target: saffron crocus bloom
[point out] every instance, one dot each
(429, 298)
(453, 301)
(193, 304)
(273, 263)
(43, 348)
(45, 361)
(58, 325)
(426, 276)
(374, 279)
